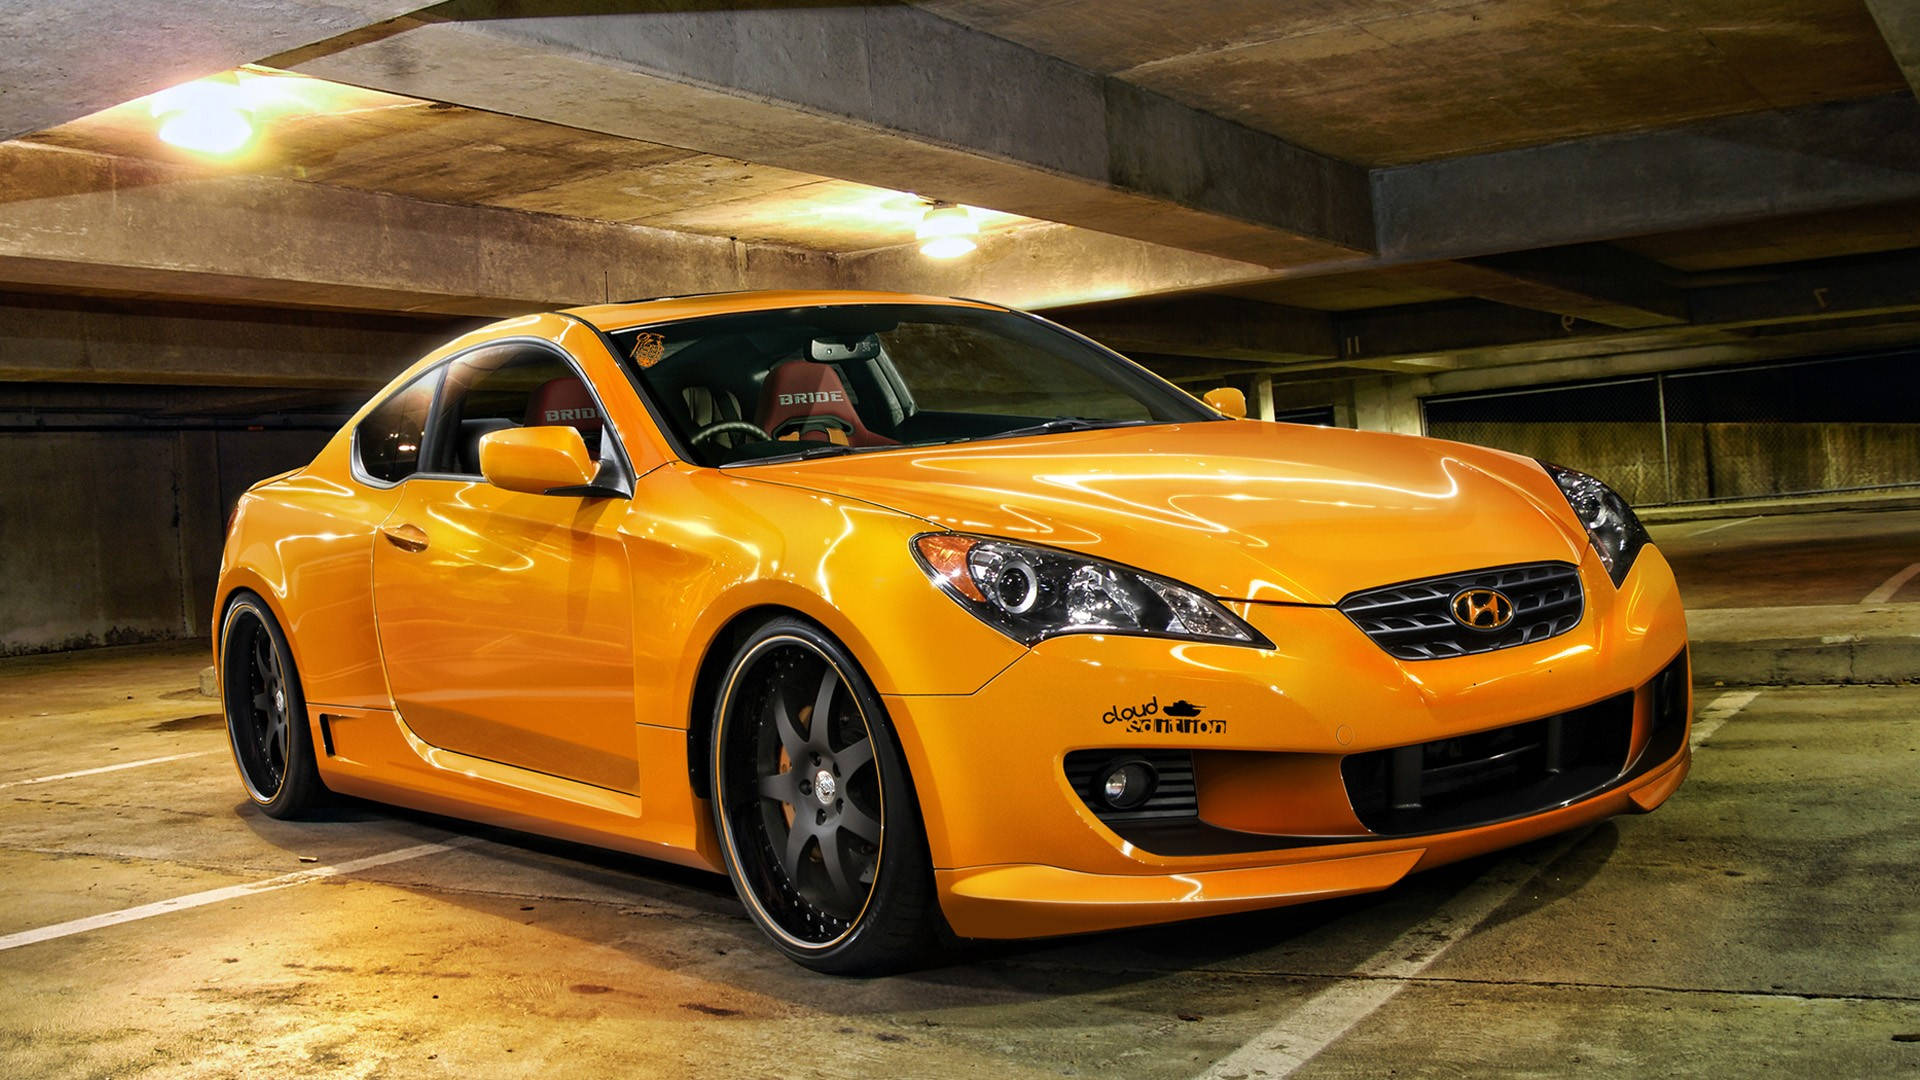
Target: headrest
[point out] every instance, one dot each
(800, 386)
(809, 399)
(564, 401)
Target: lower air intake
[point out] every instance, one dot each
(1493, 775)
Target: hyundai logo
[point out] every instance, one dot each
(1482, 609)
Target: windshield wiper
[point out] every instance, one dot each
(818, 450)
(1059, 423)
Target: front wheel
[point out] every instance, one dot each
(266, 712)
(814, 807)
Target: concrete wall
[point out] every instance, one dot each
(1712, 461)
(113, 537)
(111, 520)
(1625, 455)
(1854, 424)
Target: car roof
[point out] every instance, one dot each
(623, 316)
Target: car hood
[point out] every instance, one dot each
(1244, 510)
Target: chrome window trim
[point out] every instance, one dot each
(428, 443)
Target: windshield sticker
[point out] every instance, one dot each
(648, 348)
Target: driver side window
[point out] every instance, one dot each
(507, 386)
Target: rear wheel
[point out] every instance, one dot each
(815, 810)
(266, 712)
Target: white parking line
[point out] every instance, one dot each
(1717, 526)
(107, 768)
(1326, 1017)
(1719, 711)
(221, 895)
(1892, 585)
(1331, 1013)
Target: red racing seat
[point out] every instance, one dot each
(565, 401)
(807, 400)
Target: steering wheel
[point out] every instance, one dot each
(724, 426)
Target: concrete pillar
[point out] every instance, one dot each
(1263, 396)
(1387, 403)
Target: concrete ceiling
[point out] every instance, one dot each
(1389, 82)
(1300, 187)
(367, 140)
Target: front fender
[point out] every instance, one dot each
(709, 547)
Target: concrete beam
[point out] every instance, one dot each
(1594, 282)
(1196, 373)
(1046, 266)
(1209, 326)
(1725, 171)
(70, 340)
(79, 222)
(1899, 22)
(1669, 355)
(65, 60)
(888, 95)
(1814, 292)
(82, 222)
(1447, 327)
(1865, 300)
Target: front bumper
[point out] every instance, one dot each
(1018, 853)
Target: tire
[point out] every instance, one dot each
(267, 726)
(819, 825)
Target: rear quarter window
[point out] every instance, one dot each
(388, 439)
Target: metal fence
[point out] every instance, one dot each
(1833, 424)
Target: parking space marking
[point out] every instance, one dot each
(1329, 1015)
(230, 892)
(107, 769)
(1892, 585)
(1719, 711)
(1717, 526)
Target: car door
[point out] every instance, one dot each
(506, 618)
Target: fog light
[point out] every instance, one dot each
(1128, 784)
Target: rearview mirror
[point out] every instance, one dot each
(535, 460)
(1228, 400)
(844, 350)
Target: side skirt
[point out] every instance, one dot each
(372, 754)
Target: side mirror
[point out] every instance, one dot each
(1228, 400)
(535, 460)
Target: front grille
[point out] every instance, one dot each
(1493, 775)
(1173, 797)
(1414, 620)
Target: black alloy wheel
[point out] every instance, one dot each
(814, 807)
(266, 711)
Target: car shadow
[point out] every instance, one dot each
(705, 929)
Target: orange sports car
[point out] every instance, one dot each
(923, 617)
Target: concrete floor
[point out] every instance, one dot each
(1764, 920)
(1841, 557)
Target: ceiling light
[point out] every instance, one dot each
(946, 231)
(207, 116)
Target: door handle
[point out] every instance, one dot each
(405, 537)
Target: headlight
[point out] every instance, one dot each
(1033, 593)
(1616, 533)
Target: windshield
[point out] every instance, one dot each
(847, 379)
